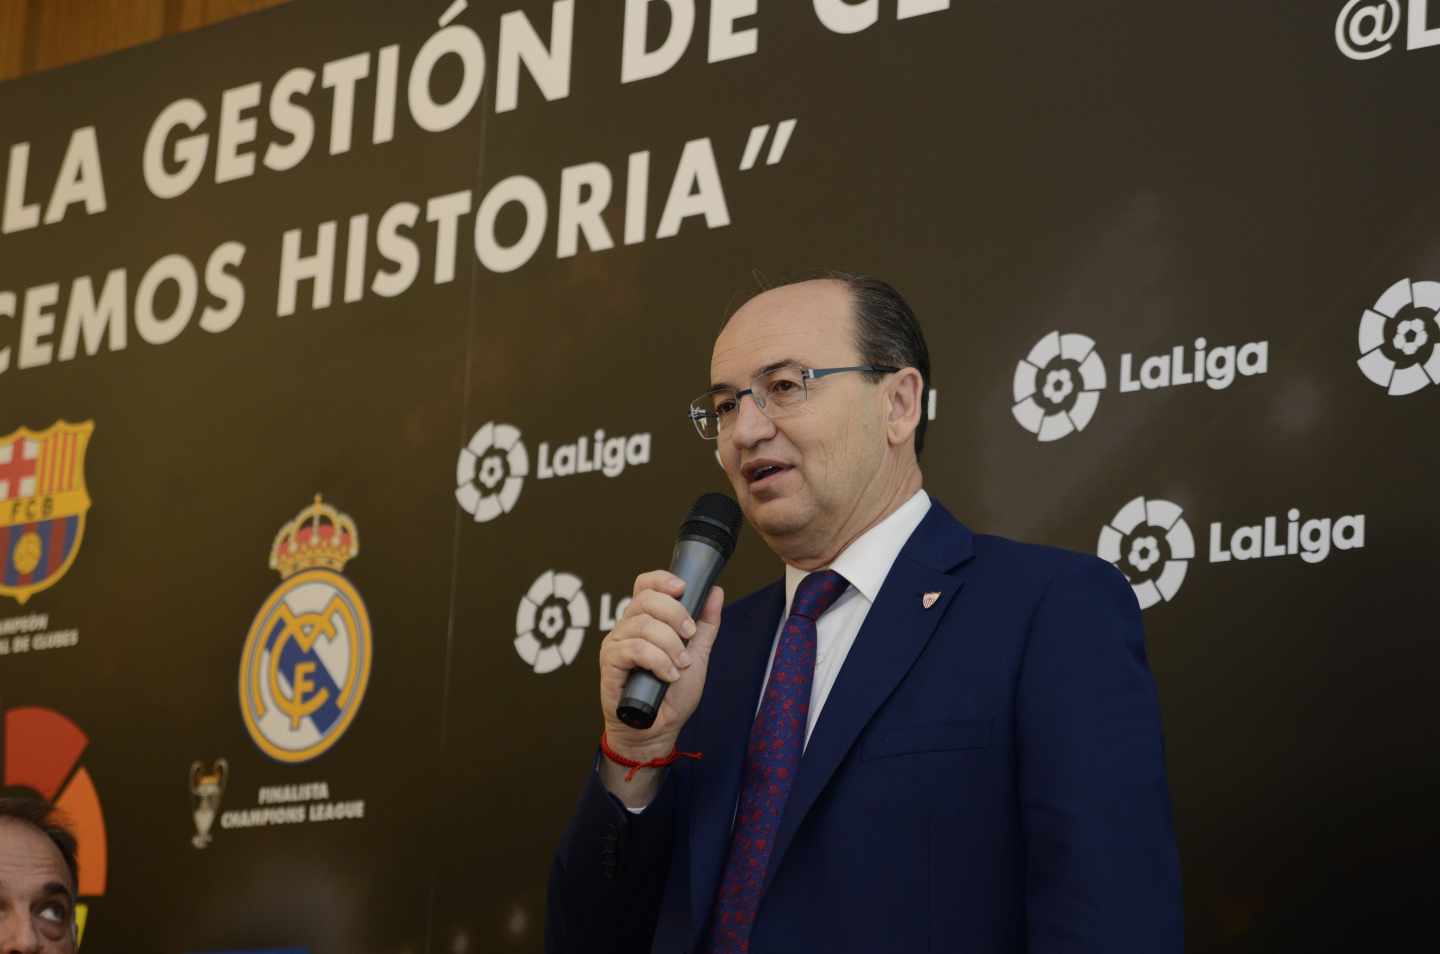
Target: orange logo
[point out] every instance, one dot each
(43, 751)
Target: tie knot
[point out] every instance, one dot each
(817, 593)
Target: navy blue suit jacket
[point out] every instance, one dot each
(987, 775)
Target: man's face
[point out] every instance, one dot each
(800, 477)
(36, 897)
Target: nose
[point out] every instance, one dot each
(17, 933)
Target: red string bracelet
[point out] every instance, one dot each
(635, 766)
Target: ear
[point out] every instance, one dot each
(904, 404)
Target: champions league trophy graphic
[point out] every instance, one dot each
(207, 787)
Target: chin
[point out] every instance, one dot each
(776, 518)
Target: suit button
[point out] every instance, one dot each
(609, 852)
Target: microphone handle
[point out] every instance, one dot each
(698, 563)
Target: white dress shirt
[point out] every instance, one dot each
(864, 563)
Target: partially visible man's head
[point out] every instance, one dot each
(813, 477)
(887, 332)
(38, 879)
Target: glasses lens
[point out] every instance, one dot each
(783, 387)
(719, 402)
(704, 417)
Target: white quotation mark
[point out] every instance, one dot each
(1365, 27)
(783, 132)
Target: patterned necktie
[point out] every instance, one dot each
(771, 761)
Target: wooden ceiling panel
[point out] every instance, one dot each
(43, 34)
(12, 38)
(199, 13)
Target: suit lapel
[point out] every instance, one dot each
(895, 632)
(732, 691)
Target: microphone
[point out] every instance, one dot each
(707, 538)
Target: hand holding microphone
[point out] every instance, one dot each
(653, 664)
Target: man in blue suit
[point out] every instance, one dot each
(921, 739)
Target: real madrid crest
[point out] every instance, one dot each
(43, 502)
(306, 660)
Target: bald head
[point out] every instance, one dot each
(832, 451)
(884, 326)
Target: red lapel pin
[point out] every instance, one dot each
(928, 600)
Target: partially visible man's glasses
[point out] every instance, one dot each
(775, 392)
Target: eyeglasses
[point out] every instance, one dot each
(776, 392)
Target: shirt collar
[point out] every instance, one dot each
(867, 560)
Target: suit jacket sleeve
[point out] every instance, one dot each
(1102, 869)
(609, 873)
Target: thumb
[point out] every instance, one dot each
(708, 624)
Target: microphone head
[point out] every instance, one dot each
(716, 518)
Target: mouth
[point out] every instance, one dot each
(759, 473)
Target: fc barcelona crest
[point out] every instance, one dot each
(43, 502)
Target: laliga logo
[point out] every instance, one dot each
(490, 472)
(1150, 542)
(1057, 386)
(551, 622)
(1400, 338)
(492, 468)
(1364, 29)
(553, 617)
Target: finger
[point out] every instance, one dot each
(709, 624)
(639, 654)
(643, 626)
(643, 629)
(659, 634)
(662, 580)
(714, 604)
(667, 609)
